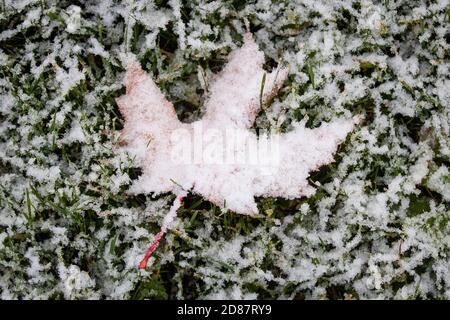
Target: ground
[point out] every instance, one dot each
(377, 226)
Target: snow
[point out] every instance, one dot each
(75, 282)
(73, 19)
(40, 174)
(75, 134)
(377, 225)
(97, 48)
(439, 181)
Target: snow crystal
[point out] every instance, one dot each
(75, 134)
(51, 174)
(439, 181)
(73, 19)
(75, 281)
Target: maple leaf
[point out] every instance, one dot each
(155, 136)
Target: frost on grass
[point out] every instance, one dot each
(376, 227)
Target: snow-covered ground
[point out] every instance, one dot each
(377, 226)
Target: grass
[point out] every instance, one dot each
(78, 219)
